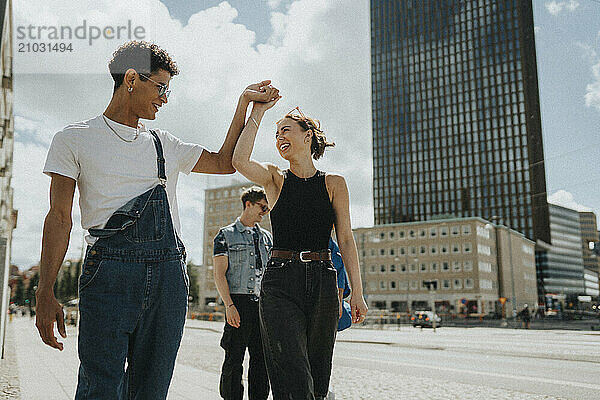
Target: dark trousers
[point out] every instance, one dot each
(234, 342)
(299, 316)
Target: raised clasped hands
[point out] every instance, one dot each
(262, 94)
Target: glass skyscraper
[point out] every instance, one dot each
(456, 120)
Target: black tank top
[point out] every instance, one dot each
(303, 216)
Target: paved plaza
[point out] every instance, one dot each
(397, 363)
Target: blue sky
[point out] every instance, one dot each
(318, 53)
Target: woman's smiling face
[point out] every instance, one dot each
(291, 139)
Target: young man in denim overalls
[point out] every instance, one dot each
(133, 287)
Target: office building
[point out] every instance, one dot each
(456, 120)
(561, 268)
(222, 205)
(591, 261)
(469, 262)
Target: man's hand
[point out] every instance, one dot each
(233, 316)
(358, 307)
(258, 92)
(48, 311)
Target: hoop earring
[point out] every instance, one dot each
(130, 89)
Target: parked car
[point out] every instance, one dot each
(424, 319)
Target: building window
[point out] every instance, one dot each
(423, 250)
(413, 268)
(401, 234)
(485, 284)
(372, 252)
(392, 252)
(484, 266)
(446, 284)
(422, 233)
(382, 285)
(455, 230)
(402, 250)
(457, 284)
(381, 235)
(466, 230)
(444, 231)
(382, 252)
(392, 268)
(456, 267)
(403, 285)
(423, 268)
(413, 250)
(382, 268)
(402, 267)
(455, 248)
(373, 286)
(468, 266)
(433, 249)
(467, 248)
(411, 234)
(414, 285)
(373, 269)
(434, 267)
(482, 232)
(483, 249)
(444, 249)
(392, 285)
(391, 235)
(433, 232)
(469, 283)
(445, 266)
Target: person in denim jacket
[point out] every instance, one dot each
(241, 250)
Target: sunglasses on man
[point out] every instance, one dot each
(162, 88)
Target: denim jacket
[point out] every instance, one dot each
(241, 274)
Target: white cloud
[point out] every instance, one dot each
(317, 60)
(566, 199)
(274, 4)
(555, 7)
(592, 90)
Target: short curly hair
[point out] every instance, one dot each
(319, 142)
(146, 58)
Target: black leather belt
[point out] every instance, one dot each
(304, 256)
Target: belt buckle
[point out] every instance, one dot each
(302, 258)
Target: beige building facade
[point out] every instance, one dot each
(8, 215)
(590, 236)
(461, 265)
(221, 207)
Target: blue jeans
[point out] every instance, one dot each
(299, 315)
(133, 301)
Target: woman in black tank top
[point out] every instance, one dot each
(299, 307)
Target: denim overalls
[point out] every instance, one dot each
(133, 293)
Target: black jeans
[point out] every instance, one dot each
(235, 341)
(299, 316)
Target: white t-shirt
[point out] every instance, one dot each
(110, 172)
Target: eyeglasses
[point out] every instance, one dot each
(264, 208)
(162, 88)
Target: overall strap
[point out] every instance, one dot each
(159, 159)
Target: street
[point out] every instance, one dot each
(404, 363)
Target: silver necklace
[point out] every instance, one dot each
(137, 131)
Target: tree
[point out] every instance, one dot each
(30, 292)
(193, 275)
